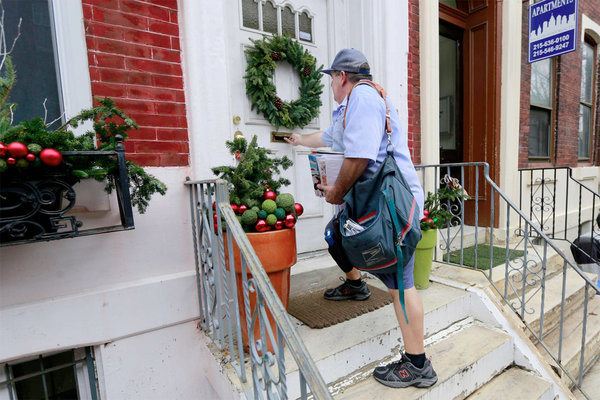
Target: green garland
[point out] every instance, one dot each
(262, 61)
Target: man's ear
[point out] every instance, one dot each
(344, 77)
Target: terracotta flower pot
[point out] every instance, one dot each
(424, 258)
(277, 253)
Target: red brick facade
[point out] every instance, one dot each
(567, 91)
(134, 58)
(414, 79)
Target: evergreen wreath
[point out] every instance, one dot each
(262, 61)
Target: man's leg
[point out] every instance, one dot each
(353, 288)
(412, 333)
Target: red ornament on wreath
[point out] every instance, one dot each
(234, 207)
(17, 149)
(270, 195)
(50, 157)
(298, 208)
(279, 225)
(30, 157)
(261, 226)
(3, 149)
(289, 221)
(242, 208)
(11, 160)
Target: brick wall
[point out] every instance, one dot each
(567, 94)
(134, 58)
(414, 83)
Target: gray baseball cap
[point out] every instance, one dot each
(349, 60)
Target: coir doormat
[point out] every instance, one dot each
(316, 312)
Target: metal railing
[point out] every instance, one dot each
(547, 196)
(489, 233)
(219, 303)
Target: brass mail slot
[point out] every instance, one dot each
(277, 137)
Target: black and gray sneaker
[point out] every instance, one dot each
(403, 373)
(348, 292)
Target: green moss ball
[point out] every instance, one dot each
(256, 209)
(269, 206)
(34, 148)
(262, 214)
(285, 201)
(249, 217)
(3, 165)
(280, 213)
(22, 163)
(271, 219)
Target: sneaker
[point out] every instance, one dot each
(348, 292)
(403, 373)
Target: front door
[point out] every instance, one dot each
(305, 20)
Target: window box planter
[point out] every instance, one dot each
(34, 206)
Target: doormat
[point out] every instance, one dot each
(317, 313)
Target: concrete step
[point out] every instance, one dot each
(515, 383)
(341, 349)
(591, 382)
(574, 296)
(572, 339)
(463, 362)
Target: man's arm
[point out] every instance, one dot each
(352, 169)
(311, 140)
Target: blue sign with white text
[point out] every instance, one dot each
(552, 28)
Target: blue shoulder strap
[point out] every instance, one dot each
(400, 259)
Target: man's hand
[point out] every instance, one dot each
(352, 169)
(332, 194)
(294, 139)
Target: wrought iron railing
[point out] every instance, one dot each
(490, 233)
(35, 207)
(563, 207)
(261, 371)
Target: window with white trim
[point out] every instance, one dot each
(65, 375)
(50, 59)
(586, 102)
(269, 17)
(540, 112)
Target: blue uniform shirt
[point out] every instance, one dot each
(365, 136)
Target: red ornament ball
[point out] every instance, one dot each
(215, 217)
(426, 213)
(279, 225)
(289, 221)
(270, 195)
(30, 157)
(261, 226)
(234, 207)
(242, 208)
(11, 160)
(298, 208)
(51, 157)
(17, 149)
(3, 149)
(214, 205)
(238, 155)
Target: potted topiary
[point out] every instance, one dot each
(436, 216)
(267, 216)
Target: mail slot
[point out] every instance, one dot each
(278, 137)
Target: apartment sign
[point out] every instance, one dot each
(552, 28)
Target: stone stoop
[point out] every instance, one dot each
(574, 297)
(466, 352)
(515, 383)
(572, 339)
